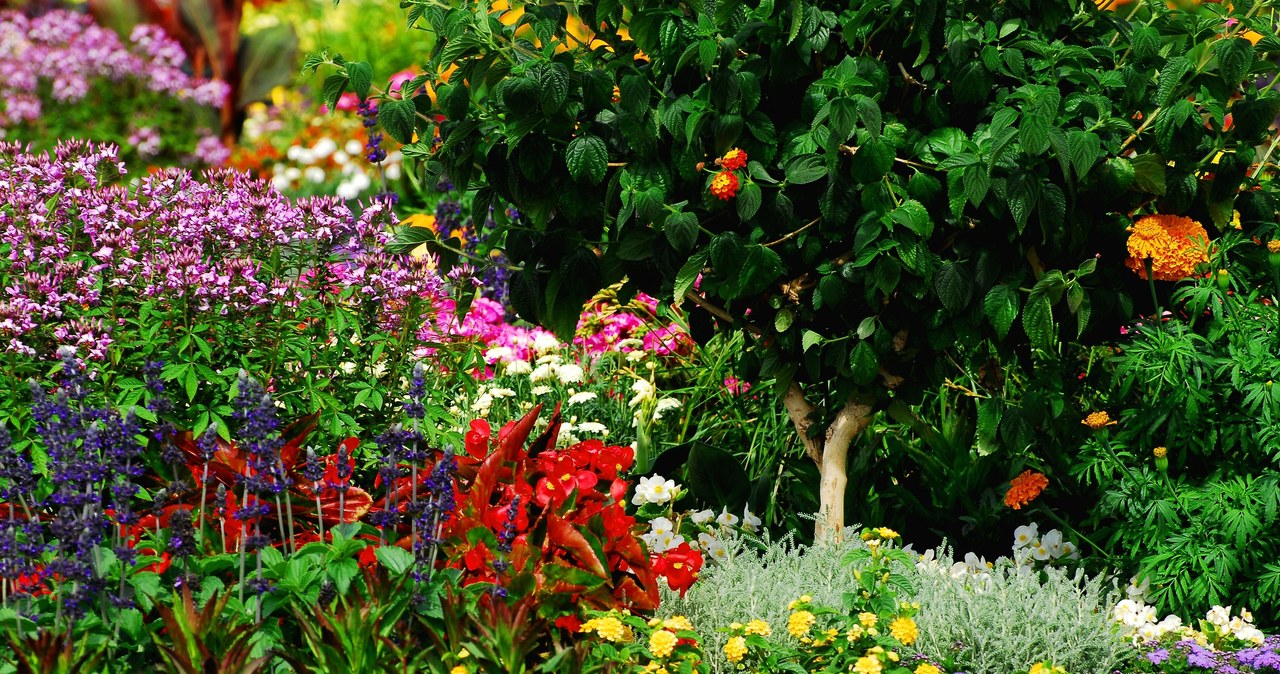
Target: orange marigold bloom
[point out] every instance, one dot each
(724, 185)
(733, 160)
(1098, 420)
(1273, 246)
(1174, 244)
(1025, 488)
(617, 94)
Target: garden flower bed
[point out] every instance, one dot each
(892, 337)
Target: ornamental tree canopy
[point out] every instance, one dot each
(919, 174)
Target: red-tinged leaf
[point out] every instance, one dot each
(632, 594)
(294, 435)
(510, 443)
(562, 534)
(355, 504)
(547, 439)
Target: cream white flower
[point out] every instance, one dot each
(660, 543)
(654, 489)
(636, 356)
(545, 341)
(593, 428)
(1052, 541)
(541, 390)
(570, 374)
(1137, 589)
(715, 550)
(518, 367)
(550, 358)
(629, 343)
(643, 391)
(1025, 535)
(750, 523)
(726, 518)
(702, 516)
(583, 397)
(498, 353)
(665, 405)
(499, 393)
(544, 372)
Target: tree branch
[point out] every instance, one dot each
(800, 410)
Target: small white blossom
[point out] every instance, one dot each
(498, 353)
(750, 523)
(727, 518)
(544, 372)
(544, 342)
(540, 390)
(570, 374)
(499, 393)
(702, 516)
(518, 367)
(654, 489)
(583, 397)
(665, 405)
(1025, 535)
(593, 428)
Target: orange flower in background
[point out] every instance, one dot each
(733, 160)
(1025, 488)
(1174, 244)
(1098, 420)
(1112, 4)
(724, 185)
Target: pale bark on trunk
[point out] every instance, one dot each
(830, 451)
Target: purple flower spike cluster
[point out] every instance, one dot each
(67, 50)
(224, 245)
(1189, 656)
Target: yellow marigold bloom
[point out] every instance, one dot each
(759, 627)
(1273, 246)
(868, 664)
(886, 533)
(1098, 420)
(608, 627)
(1174, 244)
(1160, 452)
(735, 650)
(662, 643)
(926, 668)
(804, 599)
(678, 622)
(868, 619)
(799, 623)
(459, 669)
(904, 629)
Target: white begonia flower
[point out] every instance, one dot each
(661, 525)
(750, 523)
(582, 397)
(1052, 541)
(499, 393)
(541, 390)
(1024, 536)
(660, 543)
(544, 372)
(498, 353)
(593, 428)
(726, 518)
(715, 550)
(570, 374)
(518, 367)
(1219, 616)
(654, 489)
(1250, 633)
(1040, 552)
(665, 405)
(636, 356)
(702, 516)
(1137, 590)
(1069, 550)
(545, 341)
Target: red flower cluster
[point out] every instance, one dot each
(680, 565)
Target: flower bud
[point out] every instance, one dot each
(1162, 458)
(1273, 252)
(1223, 279)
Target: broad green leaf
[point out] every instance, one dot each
(396, 560)
(360, 75)
(748, 200)
(954, 286)
(334, 86)
(397, 117)
(913, 215)
(806, 169)
(809, 339)
(1037, 321)
(687, 275)
(863, 364)
(1235, 59)
(1033, 133)
(682, 230)
(1001, 308)
(587, 158)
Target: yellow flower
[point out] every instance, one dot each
(735, 649)
(759, 627)
(608, 627)
(904, 629)
(1235, 220)
(868, 664)
(887, 533)
(662, 642)
(459, 670)
(677, 623)
(926, 668)
(799, 623)
(1160, 452)
(1174, 244)
(868, 619)
(854, 633)
(1273, 245)
(1098, 420)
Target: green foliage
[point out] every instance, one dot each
(1008, 618)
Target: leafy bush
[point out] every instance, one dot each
(1006, 618)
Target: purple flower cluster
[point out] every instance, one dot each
(228, 245)
(68, 50)
(1261, 659)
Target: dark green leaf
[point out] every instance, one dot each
(863, 364)
(1037, 321)
(954, 286)
(587, 158)
(748, 200)
(913, 215)
(1001, 308)
(397, 117)
(806, 169)
(361, 76)
(1235, 60)
(334, 85)
(681, 230)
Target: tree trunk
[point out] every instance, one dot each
(830, 451)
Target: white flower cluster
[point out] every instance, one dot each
(648, 406)
(1029, 545)
(662, 535)
(307, 165)
(1139, 623)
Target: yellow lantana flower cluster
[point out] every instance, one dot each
(904, 629)
(662, 643)
(735, 649)
(799, 623)
(608, 627)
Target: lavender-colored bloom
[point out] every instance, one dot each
(182, 534)
(1158, 656)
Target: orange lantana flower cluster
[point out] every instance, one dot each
(724, 185)
(1176, 245)
(1025, 488)
(733, 160)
